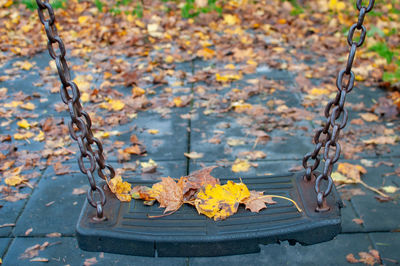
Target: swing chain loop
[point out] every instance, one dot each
(333, 111)
(369, 7)
(80, 124)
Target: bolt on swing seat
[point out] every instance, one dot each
(120, 227)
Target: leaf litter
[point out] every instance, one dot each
(201, 190)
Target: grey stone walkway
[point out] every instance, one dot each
(52, 206)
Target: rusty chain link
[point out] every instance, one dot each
(332, 128)
(80, 124)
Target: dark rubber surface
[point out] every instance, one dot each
(128, 230)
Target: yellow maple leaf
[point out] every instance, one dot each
(120, 188)
(169, 59)
(227, 77)
(112, 104)
(116, 105)
(178, 101)
(148, 164)
(240, 166)
(14, 180)
(316, 91)
(136, 91)
(153, 131)
(352, 171)
(28, 106)
(20, 136)
(231, 19)
(83, 19)
(6, 4)
(390, 189)
(13, 104)
(40, 136)
(24, 124)
(220, 202)
(336, 5)
(206, 53)
(26, 65)
(241, 106)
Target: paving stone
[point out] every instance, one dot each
(328, 253)
(264, 168)
(283, 144)
(4, 242)
(388, 245)
(170, 143)
(370, 209)
(52, 207)
(10, 211)
(348, 214)
(64, 207)
(371, 212)
(65, 251)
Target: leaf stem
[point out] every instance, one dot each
(373, 189)
(286, 198)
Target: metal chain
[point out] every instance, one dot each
(91, 148)
(333, 111)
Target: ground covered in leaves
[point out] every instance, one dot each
(175, 86)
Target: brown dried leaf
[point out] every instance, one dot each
(33, 251)
(39, 259)
(196, 180)
(169, 194)
(257, 201)
(351, 259)
(391, 140)
(358, 221)
(55, 234)
(90, 261)
(367, 258)
(79, 191)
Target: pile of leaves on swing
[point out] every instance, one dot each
(199, 189)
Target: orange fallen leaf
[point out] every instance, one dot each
(257, 201)
(120, 188)
(169, 194)
(352, 171)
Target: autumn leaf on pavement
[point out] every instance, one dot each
(194, 155)
(369, 258)
(240, 166)
(120, 188)
(351, 174)
(257, 201)
(352, 171)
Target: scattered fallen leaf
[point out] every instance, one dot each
(382, 140)
(27, 232)
(358, 221)
(90, 261)
(153, 131)
(351, 171)
(39, 259)
(240, 166)
(55, 234)
(369, 117)
(194, 155)
(390, 189)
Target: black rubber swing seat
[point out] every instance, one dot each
(185, 233)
